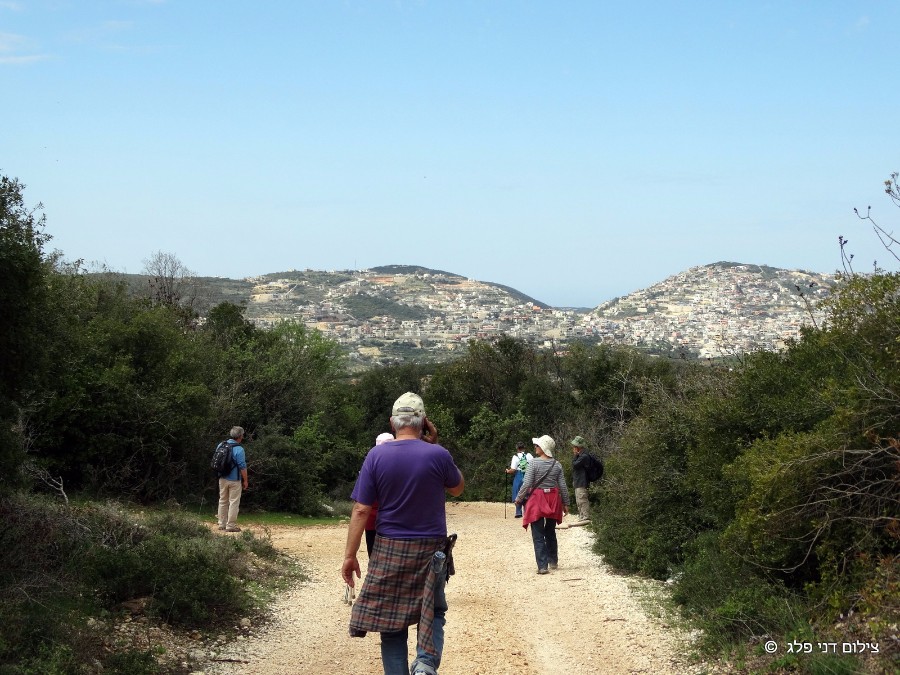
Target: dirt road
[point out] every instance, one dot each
(503, 617)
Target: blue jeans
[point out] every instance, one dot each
(518, 477)
(394, 647)
(543, 534)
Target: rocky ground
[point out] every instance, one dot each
(503, 617)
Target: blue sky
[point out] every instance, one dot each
(576, 151)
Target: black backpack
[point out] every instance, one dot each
(594, 468)
(223, 460)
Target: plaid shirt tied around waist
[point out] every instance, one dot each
(398, 590)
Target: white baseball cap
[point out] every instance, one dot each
(409, 404)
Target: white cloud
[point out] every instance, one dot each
(100, 32)
(10, 5)
(11, 46)
(22, 60)
(10, 42)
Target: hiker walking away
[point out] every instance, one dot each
(580, 481)
(412, 556)
(517, 467)
(546, 500)
(232, 484)
(373, 516)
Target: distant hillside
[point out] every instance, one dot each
(518, 295)
(717, 309)
(728, 285)
(415, 269)
(412, 269)
(363, 306)
(394, 313)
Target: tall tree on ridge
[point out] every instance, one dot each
(23, 294)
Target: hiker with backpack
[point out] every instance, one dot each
(585, 469)
(231, 468)
(517, 467)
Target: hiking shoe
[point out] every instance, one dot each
(232, 529)
(543, 570)
(519, 515)
(554, 566)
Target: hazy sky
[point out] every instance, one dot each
(576, 151)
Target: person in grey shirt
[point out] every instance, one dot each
(544, 488)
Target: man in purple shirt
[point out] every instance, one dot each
(404, 584)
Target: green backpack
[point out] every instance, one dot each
(523, 463)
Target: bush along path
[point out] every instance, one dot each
(503, 617)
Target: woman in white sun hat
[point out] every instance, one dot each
(547, 503)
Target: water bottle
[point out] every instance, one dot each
(439, 562)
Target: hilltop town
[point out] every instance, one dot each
(389, 313)
(719, 309)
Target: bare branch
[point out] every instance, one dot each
(44, 476)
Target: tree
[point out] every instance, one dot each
(226, 324)
(23, 294)
(172, 283)
(128, 405)
(887, 239)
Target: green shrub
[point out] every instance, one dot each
(34, 639)
(176, 525)
(832, 664)
(131, 663)
(343, 508)
(647, 507)
(180, 565)
(285, 471)
(60, 564)
(728, 598)
(33, 537)
(51, 659)
(880, 599)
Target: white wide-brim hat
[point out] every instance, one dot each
(545, 443)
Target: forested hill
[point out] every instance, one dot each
(394, 312)
(317, 285)
(729, 285)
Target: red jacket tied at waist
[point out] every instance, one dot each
(543, 503)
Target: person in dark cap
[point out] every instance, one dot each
(517, 467)
(579, 478)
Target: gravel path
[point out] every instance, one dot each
(503, 617)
